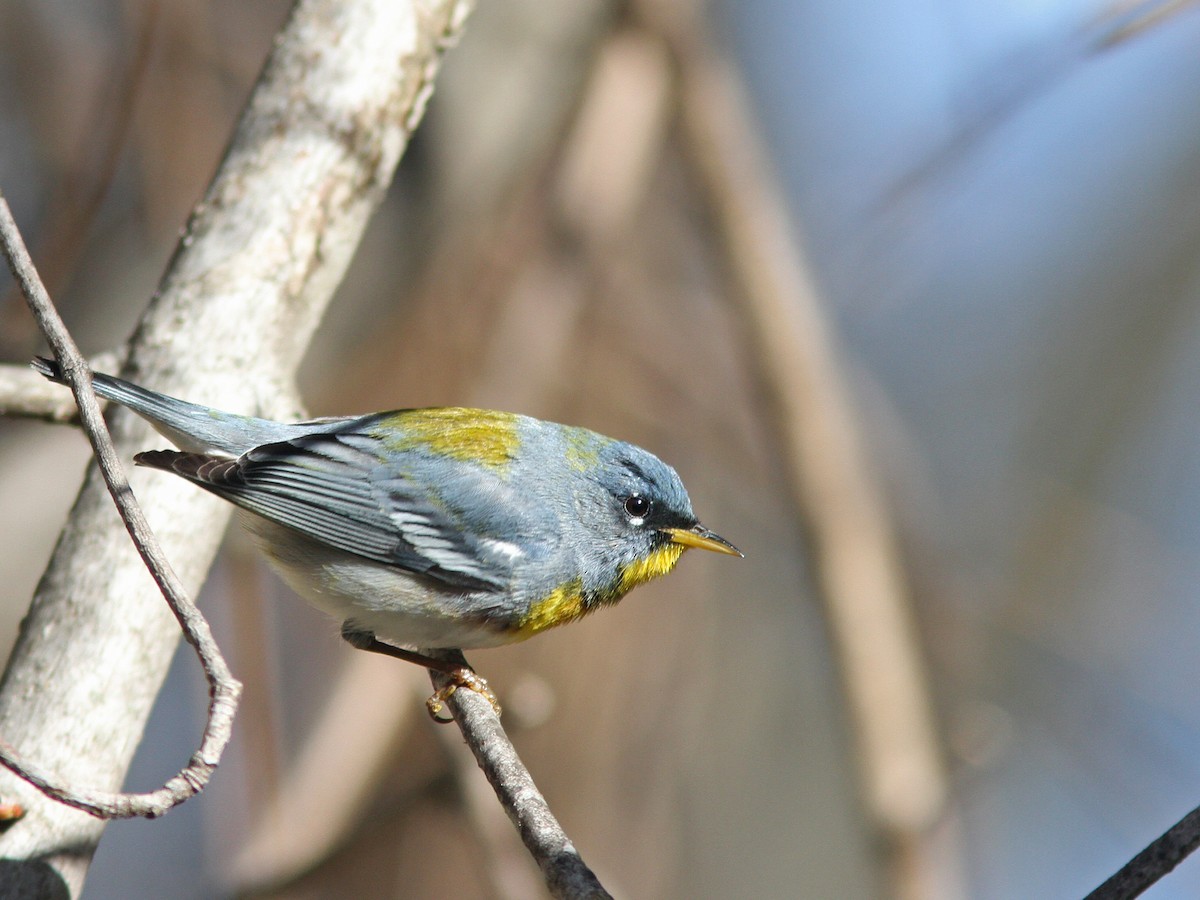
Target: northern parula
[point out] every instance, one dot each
(433, 529)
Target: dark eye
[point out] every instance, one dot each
(637, 507)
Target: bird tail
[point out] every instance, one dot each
(154, 406)
(187, 425)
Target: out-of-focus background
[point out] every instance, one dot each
(995, 208)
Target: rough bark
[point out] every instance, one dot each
(259, 260)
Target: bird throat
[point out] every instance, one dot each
(569, 602)
(562, 605)
(659, 561)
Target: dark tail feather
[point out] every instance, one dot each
(209, 471)
(48, 368)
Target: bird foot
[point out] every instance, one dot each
(463, 678)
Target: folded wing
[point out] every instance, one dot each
(337, 489)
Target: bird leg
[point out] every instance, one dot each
(457, 670)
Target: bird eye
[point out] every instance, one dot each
(637, 507)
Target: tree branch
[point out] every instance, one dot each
(310, 160)
(1163, 854)
(223, 688)
(566, 874)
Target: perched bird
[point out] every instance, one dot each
(433, 529)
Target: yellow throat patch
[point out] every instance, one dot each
(659, 562)
(566, 604)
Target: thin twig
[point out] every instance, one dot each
(224, 689)
(506, 863)
(1158, 859)
(566, 874)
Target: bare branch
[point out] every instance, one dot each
(566, 874)
(311, 158)
(1158, 859)
(224, 689)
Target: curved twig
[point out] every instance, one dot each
(223, 688)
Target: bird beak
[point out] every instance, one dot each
(699, 536)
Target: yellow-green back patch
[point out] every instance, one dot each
(481, 436)
(583, 448)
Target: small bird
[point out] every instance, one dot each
(441, 529)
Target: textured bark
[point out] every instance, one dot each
(259, 261)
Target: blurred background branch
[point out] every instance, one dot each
(851, 539)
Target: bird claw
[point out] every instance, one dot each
(464, 678)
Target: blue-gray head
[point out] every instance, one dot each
(641, 517)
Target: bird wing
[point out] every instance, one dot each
(337, 489)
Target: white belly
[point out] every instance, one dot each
(397, 606)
